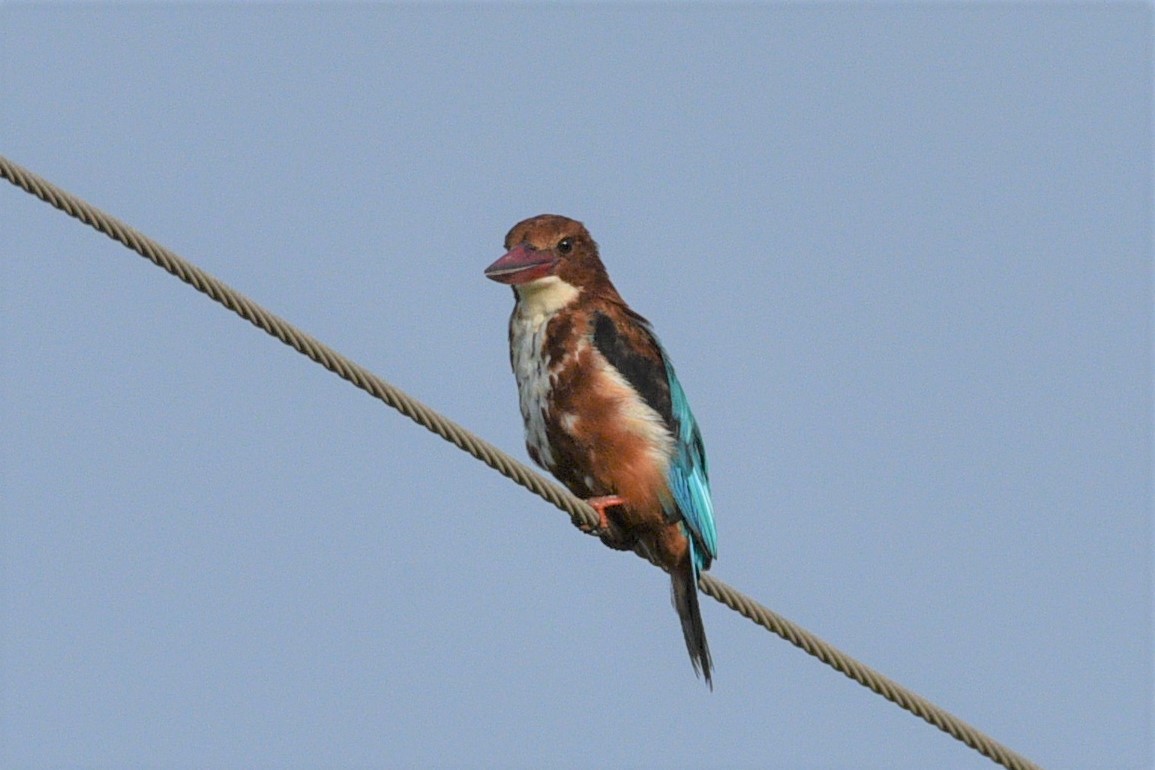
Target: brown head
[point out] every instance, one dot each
(548, 246)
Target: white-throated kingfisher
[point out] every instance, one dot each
(604, 411)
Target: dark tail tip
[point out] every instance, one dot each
(685, 596)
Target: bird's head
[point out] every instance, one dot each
(549, 251)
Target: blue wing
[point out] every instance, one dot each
(689, 476)
(652, 376)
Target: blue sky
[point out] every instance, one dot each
(900, 254)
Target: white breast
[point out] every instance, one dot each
(538, 302)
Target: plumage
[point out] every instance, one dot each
(604, 411)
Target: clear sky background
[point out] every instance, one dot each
(901, 255)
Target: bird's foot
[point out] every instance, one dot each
(606, 529)
(600, 504)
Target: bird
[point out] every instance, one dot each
(604, 411)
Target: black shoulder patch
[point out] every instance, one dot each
(644, 373)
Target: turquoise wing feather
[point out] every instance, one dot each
(689, 476)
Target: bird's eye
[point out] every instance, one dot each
(565, 246)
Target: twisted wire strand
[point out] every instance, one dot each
(580, 513)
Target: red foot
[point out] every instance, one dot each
(600, 504)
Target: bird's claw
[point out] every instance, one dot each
(600, 504)
(609, 532)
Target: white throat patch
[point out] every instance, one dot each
(544, 297)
